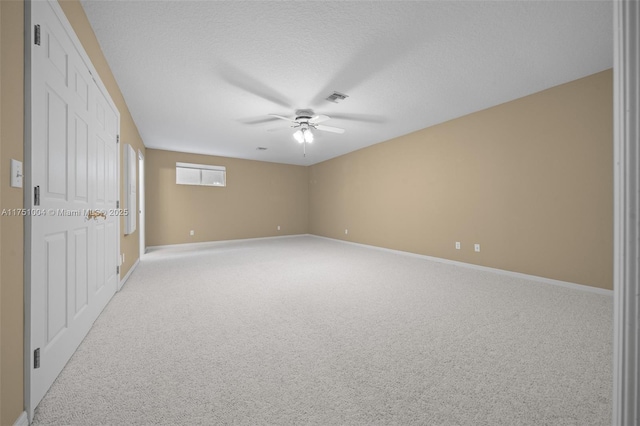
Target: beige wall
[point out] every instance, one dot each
(530, 180)
(258, 197)
(11, 227)
(12, 146)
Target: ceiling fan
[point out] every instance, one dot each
(304, 121)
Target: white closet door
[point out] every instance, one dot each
(74, 171)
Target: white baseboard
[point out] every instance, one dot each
(551, 281)
(126, 277)
(23, 420)
(214, 243)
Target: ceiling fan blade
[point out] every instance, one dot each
(329, 129)
(277, 129)
(258, 120)
(282, 117)
(319, 118)
(246, 82)
(365, 118)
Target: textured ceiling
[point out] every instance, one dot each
(201, 76)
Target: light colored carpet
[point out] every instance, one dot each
(312, 331)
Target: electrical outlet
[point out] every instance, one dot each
(192, 233)
(476, 247)
(457, 245)
(278, 227)
(346, 231)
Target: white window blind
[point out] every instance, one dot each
(200, 174)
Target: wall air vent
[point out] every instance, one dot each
(337, 97)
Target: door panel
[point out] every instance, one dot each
(112, 191)
(81, 89)
(100, 171)
(56, 148)
(81, 262)
(81, 160)
(57, 55)
(56, 277)
(100, 253)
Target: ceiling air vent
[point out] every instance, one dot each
(337, 97)
(261, 148)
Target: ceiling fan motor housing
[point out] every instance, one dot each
(306, 119)
(304, 114)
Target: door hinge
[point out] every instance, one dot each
(36, 35)
(36, 358)
(117, 138)
(117, 269)
(36, 196)
(117, 204)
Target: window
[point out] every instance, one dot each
(200, 174)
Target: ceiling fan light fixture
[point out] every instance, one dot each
(299, 136)
(308, 136)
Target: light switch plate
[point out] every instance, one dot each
(16, 173)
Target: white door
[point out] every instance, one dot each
(74, 171)
(143, 244)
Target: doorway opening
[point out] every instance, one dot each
(143, 246)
